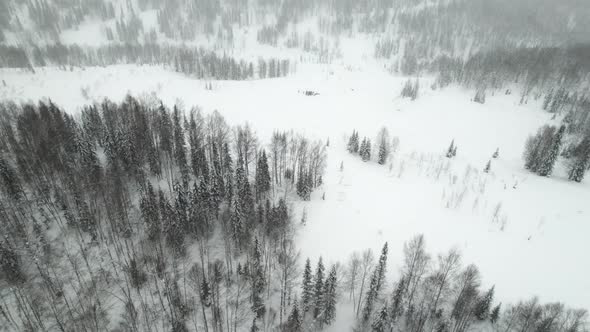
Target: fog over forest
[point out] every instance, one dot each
(295, 165)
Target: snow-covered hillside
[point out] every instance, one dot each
(526, 233)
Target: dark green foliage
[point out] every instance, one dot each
(580, 161)
(258, 281)
(330, 297)
(318, 295)
(397, 300)
(488, 166)
(304, 184)
(551, 154)
(452, 150)
(262, 176)
(294, 321)
(380, 323)
(484, 304)
(365, 149)
(307, 287)
(496, 153)
(410, 90)
(495, 314)
(542, 150)
(377, 279)
(353, 142)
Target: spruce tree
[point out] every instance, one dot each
(351, 142)
(380, 324)
(549, 159)
(331, 284)
(383, 153)
(307, 287)
(318, 296)
(262, 176)
(483, 305)
(581, 161)
(488, 166)
(258, 281)
(294, 323)
(397, 300)
(179, 142)
(496, 153)
(376, 284)
(365, 149)
(495, 315)
(451, 150)
(355, 144)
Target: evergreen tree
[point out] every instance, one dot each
(383, 153)
(331, 284)
(380, 324)
(258, 281)
(480, 96)
(244, 200)
(351, 142)
(377, 279)
(495, 315)
(483, 305)
(365, 149)
(549, 159)
(397, 300)
(355, 143)
(227, 172)
(179, 143)
(262, 176)
(581, 161)
(304, 185)
(496, 153)
(294, 323)
(307, 287)
(488, 166)
(318, 295)
(451, 151)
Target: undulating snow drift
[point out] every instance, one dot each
(526, 233)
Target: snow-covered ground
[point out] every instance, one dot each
(526, 233)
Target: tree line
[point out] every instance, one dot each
(196, 62)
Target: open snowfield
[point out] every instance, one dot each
(526, 233)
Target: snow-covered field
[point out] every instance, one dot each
(526, 233)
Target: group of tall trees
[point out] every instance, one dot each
(196, 62)
(132, 214)
(439, 294)
(410, 90)
(319, 295)
(386, 146)
(543, 150)
(538, 54)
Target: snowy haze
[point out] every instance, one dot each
(220, 156)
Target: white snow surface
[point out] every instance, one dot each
(535, 246)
